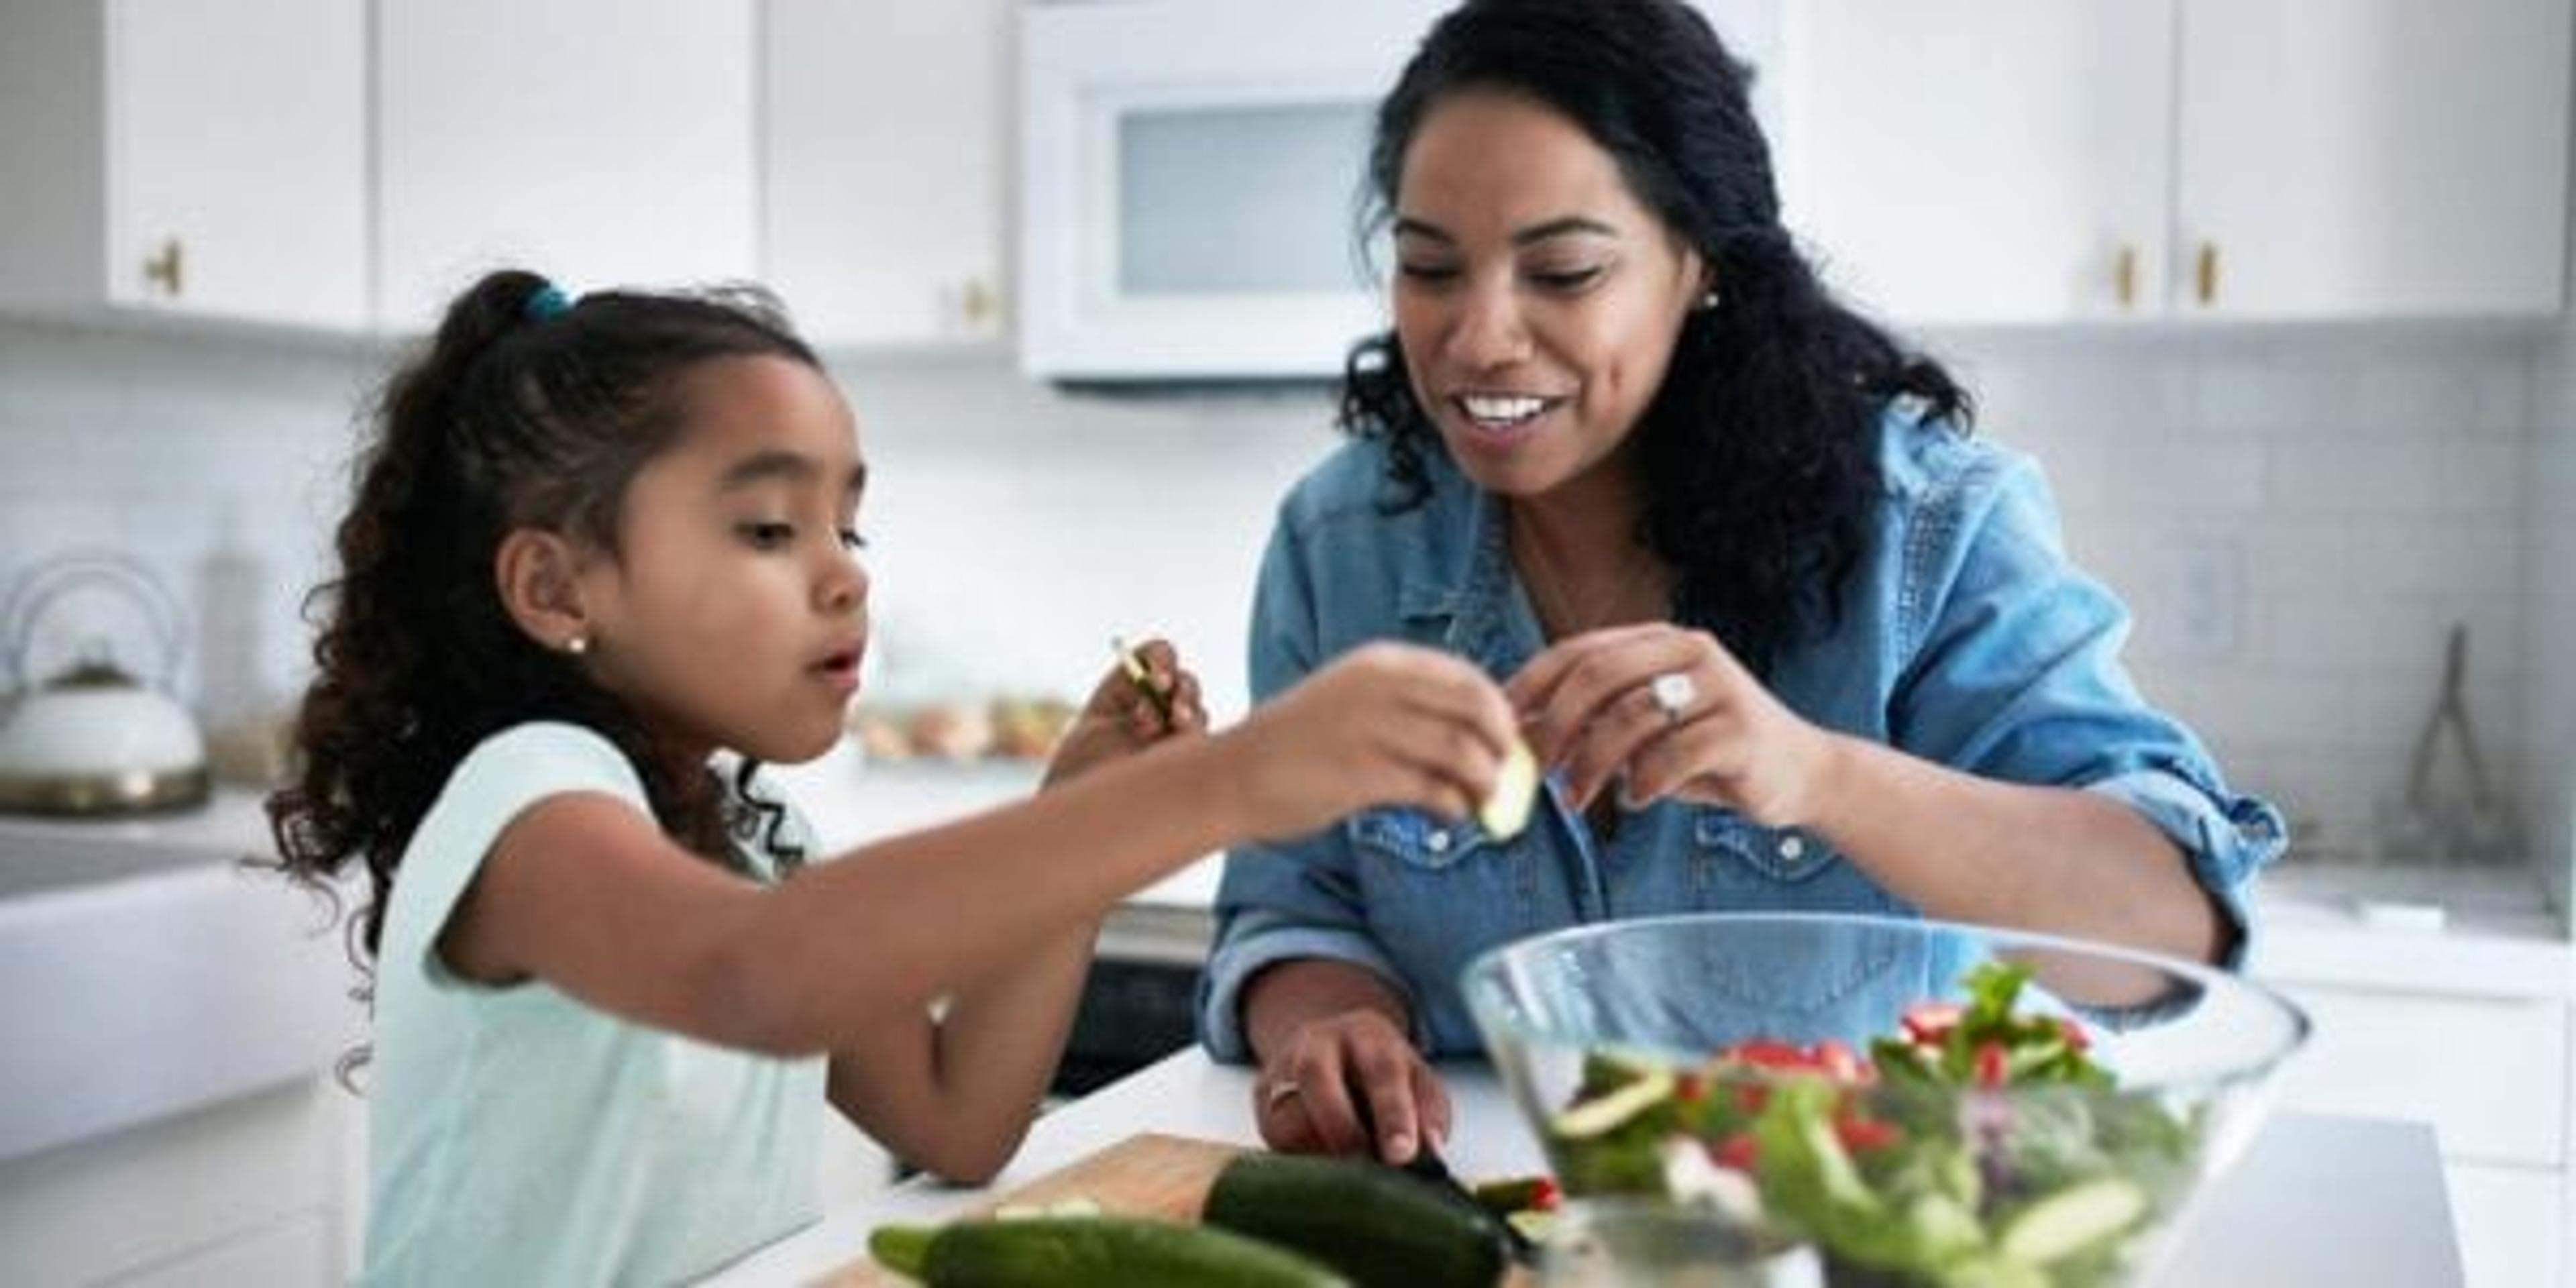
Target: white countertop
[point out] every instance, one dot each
(2316, 1200)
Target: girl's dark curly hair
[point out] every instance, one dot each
(524, 411)
(1758, 454)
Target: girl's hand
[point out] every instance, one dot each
(1662, 710)
(1349, 1084)
(1120, 721)
(1385, 724)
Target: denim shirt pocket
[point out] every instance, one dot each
(1416, 839)
(1786, 855)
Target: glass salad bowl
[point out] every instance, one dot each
(1919, 1102)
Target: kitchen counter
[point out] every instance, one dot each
(2315, 1200)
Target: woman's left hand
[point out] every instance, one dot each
(1120, 719)
(1662, 710)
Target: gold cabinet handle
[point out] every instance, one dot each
(166, 268)
(2205, 273)
(2124, 276)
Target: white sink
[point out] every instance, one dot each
(142, 978)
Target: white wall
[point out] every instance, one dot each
(2297, 516)
(2549, 507)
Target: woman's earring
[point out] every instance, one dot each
(577, 645)
(1708, 299)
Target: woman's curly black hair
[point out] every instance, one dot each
(1758, 453)
(524, 411)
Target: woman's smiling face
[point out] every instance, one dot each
(1537, 299)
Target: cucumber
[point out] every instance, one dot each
(1089, 1252)
(1380, 1226)
(2073, 1220)
(1600, 1114)
(1507, 811)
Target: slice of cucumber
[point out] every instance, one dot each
(1603, 1112)
(1507, 810)
(2073, 1220)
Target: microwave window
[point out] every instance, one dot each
(1226, 201)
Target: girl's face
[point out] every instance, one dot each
(1537, 299)
(735, 611)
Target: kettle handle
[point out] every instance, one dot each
(77, 569)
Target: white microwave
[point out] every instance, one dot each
(1191, 181)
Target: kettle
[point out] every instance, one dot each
(93, 739)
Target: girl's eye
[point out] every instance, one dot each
(1430, 274)
(767, 536)
(853, 539)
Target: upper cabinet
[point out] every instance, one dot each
(197, 157)
(601, 142)
(2057, 160)
(2366, 158)
(885, 143)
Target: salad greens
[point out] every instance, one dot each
(1975, 1146)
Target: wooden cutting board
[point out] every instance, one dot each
(1147, 1175)
(1150, 1174)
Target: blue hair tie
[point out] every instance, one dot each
(547, 301)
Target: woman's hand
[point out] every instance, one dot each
(1349, 1083)
(1121, 720)
(1663, 710)
(1385, 724)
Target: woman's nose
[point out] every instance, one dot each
(1488, 330)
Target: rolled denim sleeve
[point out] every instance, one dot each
(2013, 672)
(1279, 902)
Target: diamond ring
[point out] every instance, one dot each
(1673, 693)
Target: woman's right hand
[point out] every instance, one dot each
(1349, 1083)
(1385, 724)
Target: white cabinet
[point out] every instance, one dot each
(885, 148)
(196, 157)
(2465, 1033)
(2055, 160)
(601, 142)
(2371, 157)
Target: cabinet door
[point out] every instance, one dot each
(238, 158)
(2372, 158)
(2511, 1223)
(884, 161)
(601, 142)
(2001, 161)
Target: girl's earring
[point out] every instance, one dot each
(1708, 299)
(577, 645)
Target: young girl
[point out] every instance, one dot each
(593, 545)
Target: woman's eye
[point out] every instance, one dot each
(853, 539)
(766, 536)
(1432, 274)
(1567, 279)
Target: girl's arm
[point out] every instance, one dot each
(585, 893)
(954, 1093)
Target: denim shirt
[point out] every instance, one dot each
(1965, 638)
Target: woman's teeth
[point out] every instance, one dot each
(1500, 411)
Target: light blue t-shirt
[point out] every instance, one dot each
(521, 1137)
(1965, 638)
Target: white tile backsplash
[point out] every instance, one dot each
(2295, 516)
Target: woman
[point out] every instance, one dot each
(1785, 636)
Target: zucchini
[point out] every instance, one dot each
(1380, 1226)
(1089, 1252)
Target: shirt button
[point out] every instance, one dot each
(1792, 847)
(1437, 842)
